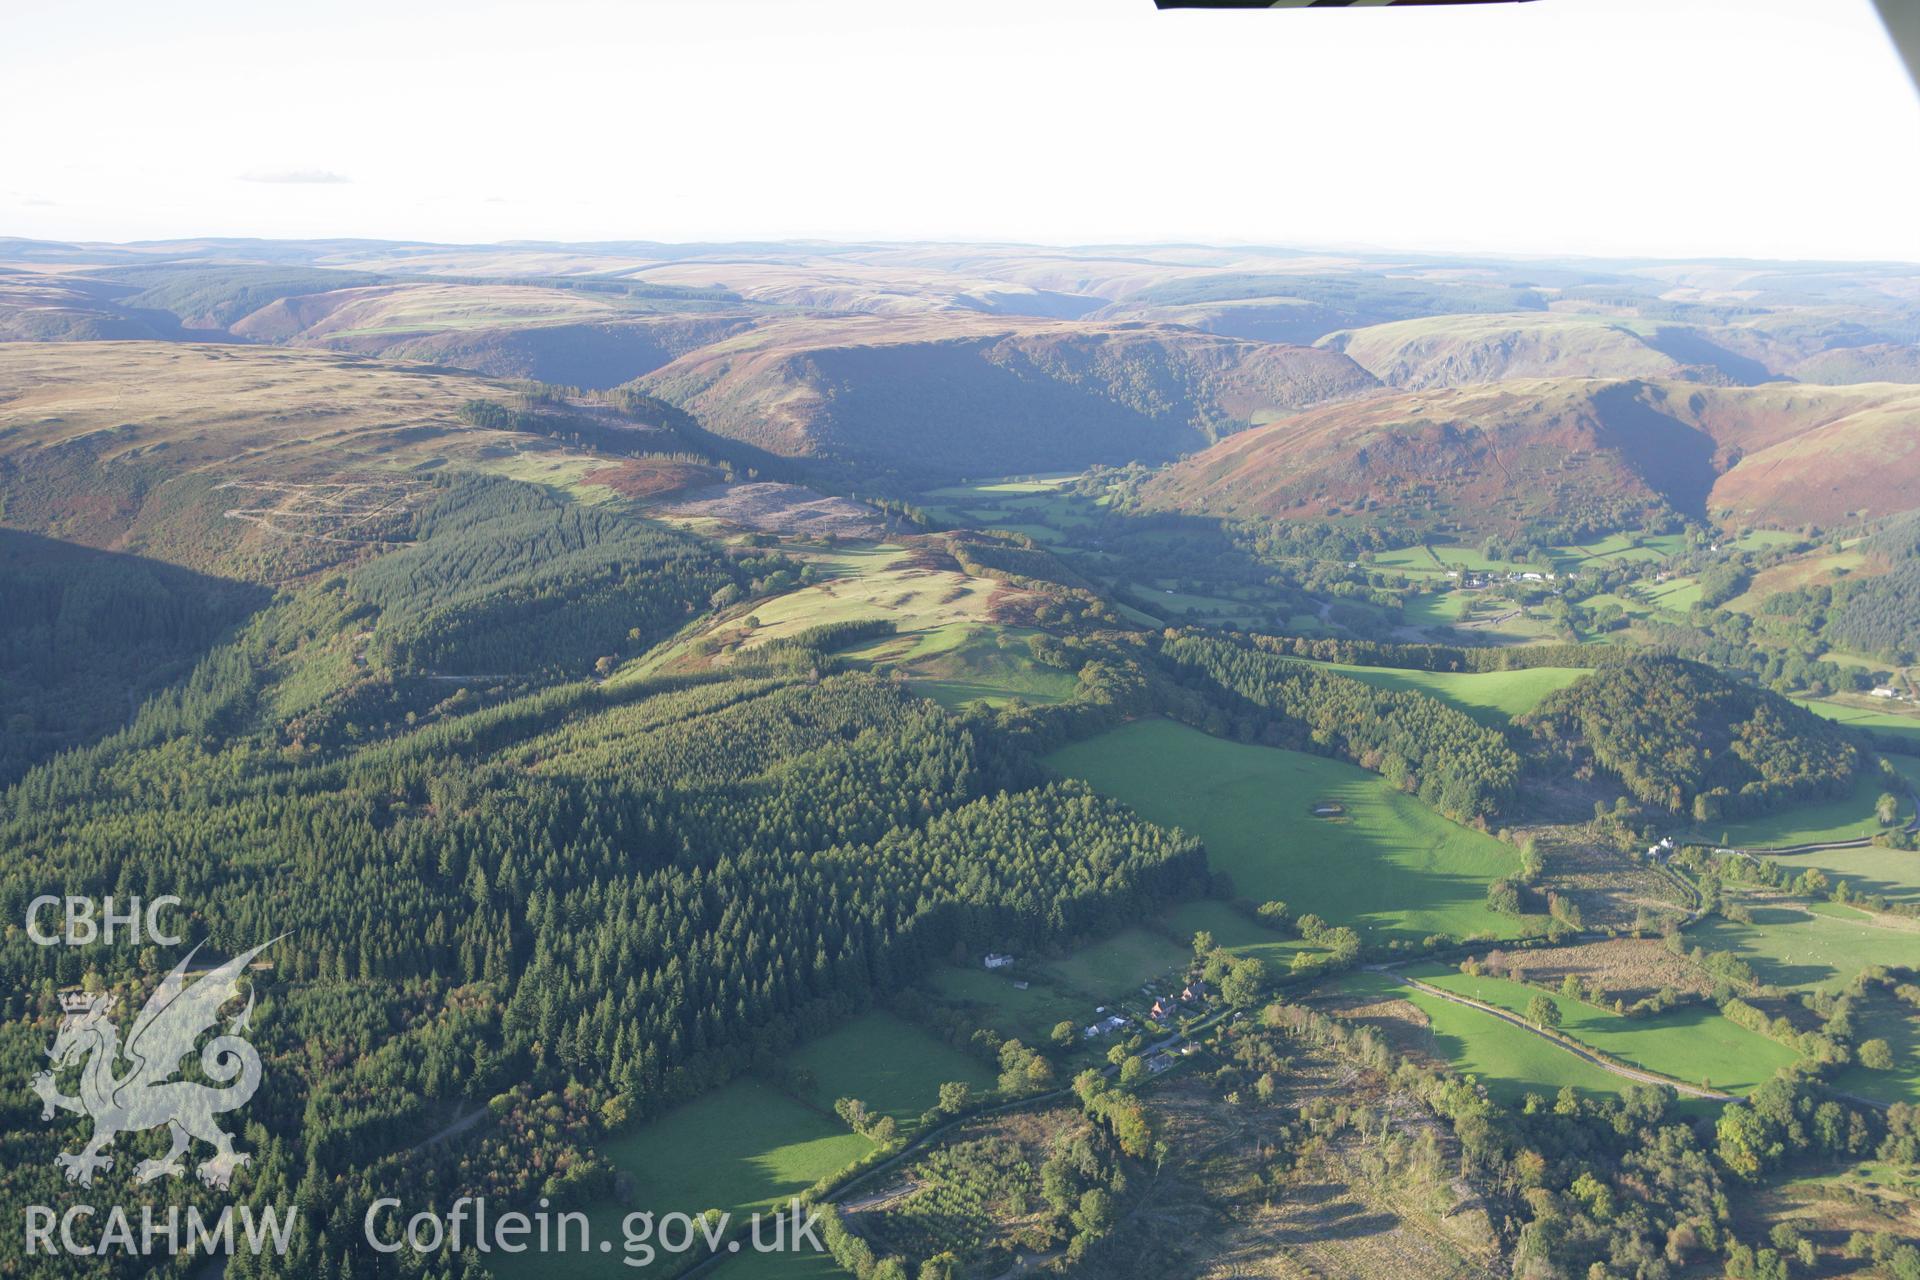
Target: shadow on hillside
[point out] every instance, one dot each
(1674, 458)
(1689, 346)
(87, 634)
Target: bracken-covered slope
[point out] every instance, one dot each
(973, 397)
(1571, 454)
(1857, 457)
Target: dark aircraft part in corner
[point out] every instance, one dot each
(1903, 24)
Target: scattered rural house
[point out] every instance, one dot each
(997, 961)
(1195, 993)
(1662, 850)
(1162, 1009)
(1159, 1062)
(1884, 692)
(1106, 1026)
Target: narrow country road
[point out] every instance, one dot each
(1859, 842)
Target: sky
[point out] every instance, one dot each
(1675, 128)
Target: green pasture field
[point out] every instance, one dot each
(1390, 866)
(1180, 603)
(1491, 697)
(1882, 1017)
(845, 559)
(1893, 874)
(1418, 561)
(1842, 819)
(1893, 724)
(1028, 1016)
(1138, 616)
(891, 1065)
(1232, 930)
(557, 470)
(1808, 949)
(1695, 1043)
(1524, 628)
(1118, 966)
(863, 585)
(1042, 533)
(1620, 548)
(913, 646)
(1045, 484)
(1509, 1061)
(1435, 608)
(957, 664)
(741, 1148)
(1037, 508)
(1677, 595)
(1628, 605)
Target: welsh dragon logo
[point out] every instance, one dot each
(146, 1094)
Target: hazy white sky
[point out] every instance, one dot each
(1773, 128)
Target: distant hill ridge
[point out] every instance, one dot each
(1581, 453)
(954, 398)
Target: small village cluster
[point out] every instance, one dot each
(1164, 1011)
(1473, 579)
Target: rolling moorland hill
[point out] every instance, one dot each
(951, 399)
(600, 314)
(1577, 454)
(207, 403)
(568, 337)
(841, 283)
(257, 463)
(386, 310)
(59, 308)
(1875, 362)
(1308, 301)
(1447, 351)
(597, 354)
(574, 331)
